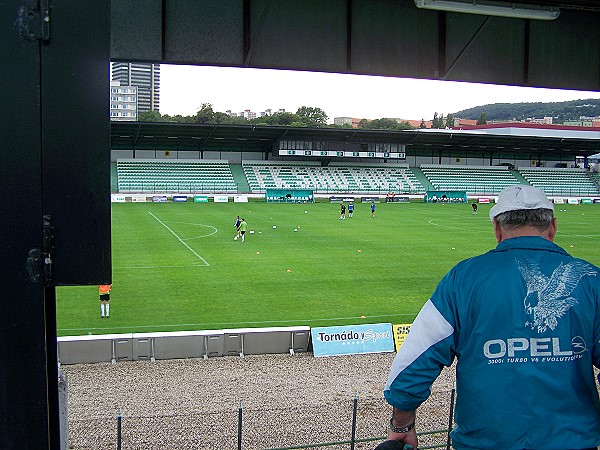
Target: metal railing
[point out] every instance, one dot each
(251, 429)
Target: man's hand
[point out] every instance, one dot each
(410, 438)
(402, 419)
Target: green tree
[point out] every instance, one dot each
(449, 121)
(311, 117)
(205, 114)
(384, 124)
(151, 116)
(279, 118)
(423, 124)
(404, 126)
(482, 119)
(437, 121)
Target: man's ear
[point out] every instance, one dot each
(552, 229)
(497, 231)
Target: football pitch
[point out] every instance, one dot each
(177, 267)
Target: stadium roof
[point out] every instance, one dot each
(560, 144)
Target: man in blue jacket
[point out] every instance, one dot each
(523, 322)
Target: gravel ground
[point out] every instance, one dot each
(194, 403)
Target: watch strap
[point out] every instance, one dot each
(395, 429)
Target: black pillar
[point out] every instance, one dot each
(54, 169)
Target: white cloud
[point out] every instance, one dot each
(185, 88)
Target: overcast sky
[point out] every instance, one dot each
(184, 89)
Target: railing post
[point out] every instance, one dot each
(240, 427)
(118, 429)
(354, 421)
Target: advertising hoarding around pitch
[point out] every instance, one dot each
(352, 339)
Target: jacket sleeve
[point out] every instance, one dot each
(428, 347)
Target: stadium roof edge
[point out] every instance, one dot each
(522, 141)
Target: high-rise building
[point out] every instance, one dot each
(146, 77)
(123, 102)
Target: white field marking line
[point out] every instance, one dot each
(214, 324)
(158, 267)
(179, 239)
(431, 222)
(199, 225)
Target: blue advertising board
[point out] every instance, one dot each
(352, 339)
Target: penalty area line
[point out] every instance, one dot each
(179, 239)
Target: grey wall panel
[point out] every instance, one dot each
(178, 345)
(302, 35)
(204, 32)
(254, 341)
(136, 30)
(261, 343)
(566, 53)
(486, 49)
(394, 38)
(88, 349)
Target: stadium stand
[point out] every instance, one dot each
(174, 176)
(191, 176)
(337, 177)
(560, 181)
(471, 179)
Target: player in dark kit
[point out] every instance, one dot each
(474, 206)
(342, 211)
(237, 228)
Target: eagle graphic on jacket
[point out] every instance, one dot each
(549, 298)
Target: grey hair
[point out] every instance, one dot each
(539, 218)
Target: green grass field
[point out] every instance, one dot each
(177, 266)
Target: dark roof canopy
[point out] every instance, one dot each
(248, 138)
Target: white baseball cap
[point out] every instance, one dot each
(514, 198)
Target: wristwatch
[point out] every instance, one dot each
(395, 429)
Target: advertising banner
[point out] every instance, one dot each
(200, 198)
(369, 199)
(586, 201)
(400, 333)
(221, 199)
(159, 199)
(240, 199)
(446, 197)
(117, 198)
(483, 200)
(560, 201)
(337, 199)
(289, 196)
(573, 201)
(138, 198)
(180, 198)
(352, 339)
(597, 200)
(394, 199)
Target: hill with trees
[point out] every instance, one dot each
(559, 111)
